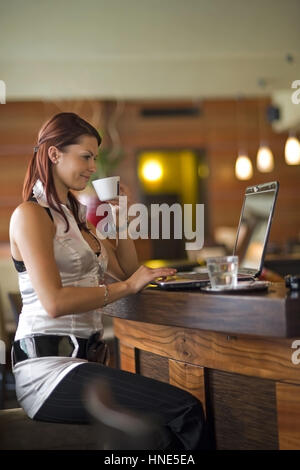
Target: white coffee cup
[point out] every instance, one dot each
(107, 188)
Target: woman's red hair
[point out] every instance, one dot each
(61, 130)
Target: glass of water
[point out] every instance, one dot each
(222, 271)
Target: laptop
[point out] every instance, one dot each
(250, 243)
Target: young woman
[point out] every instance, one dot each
(60, 263)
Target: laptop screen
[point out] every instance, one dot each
(254, 226)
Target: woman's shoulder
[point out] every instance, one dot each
(29, 220)
(27, 208)
(30, 212)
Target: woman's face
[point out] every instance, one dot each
(74, 166)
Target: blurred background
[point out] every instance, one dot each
(184, 94)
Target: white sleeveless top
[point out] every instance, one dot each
(78, 266)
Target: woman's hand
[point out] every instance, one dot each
(144, 275)
(116, 209)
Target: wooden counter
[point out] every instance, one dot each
(233, 352)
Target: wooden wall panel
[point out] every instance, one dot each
(216, 130)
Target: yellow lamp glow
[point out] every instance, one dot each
(292, 151)
(265, 159)
(152, 170)
(243, 168)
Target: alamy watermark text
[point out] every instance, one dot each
(296, 95)
(139, 217)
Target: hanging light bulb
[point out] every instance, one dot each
(265, 159)
(292, 151)
(243, 167)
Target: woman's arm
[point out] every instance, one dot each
(123, 250)
(32, 231)
(127, 256)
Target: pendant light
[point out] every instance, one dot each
(264, 158)
(292, 150)
(243, 164)
(243, 167)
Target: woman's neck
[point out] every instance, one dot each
(62, 191)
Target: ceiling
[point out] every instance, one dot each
(148, 48)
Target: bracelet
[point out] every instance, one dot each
(106, 294)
